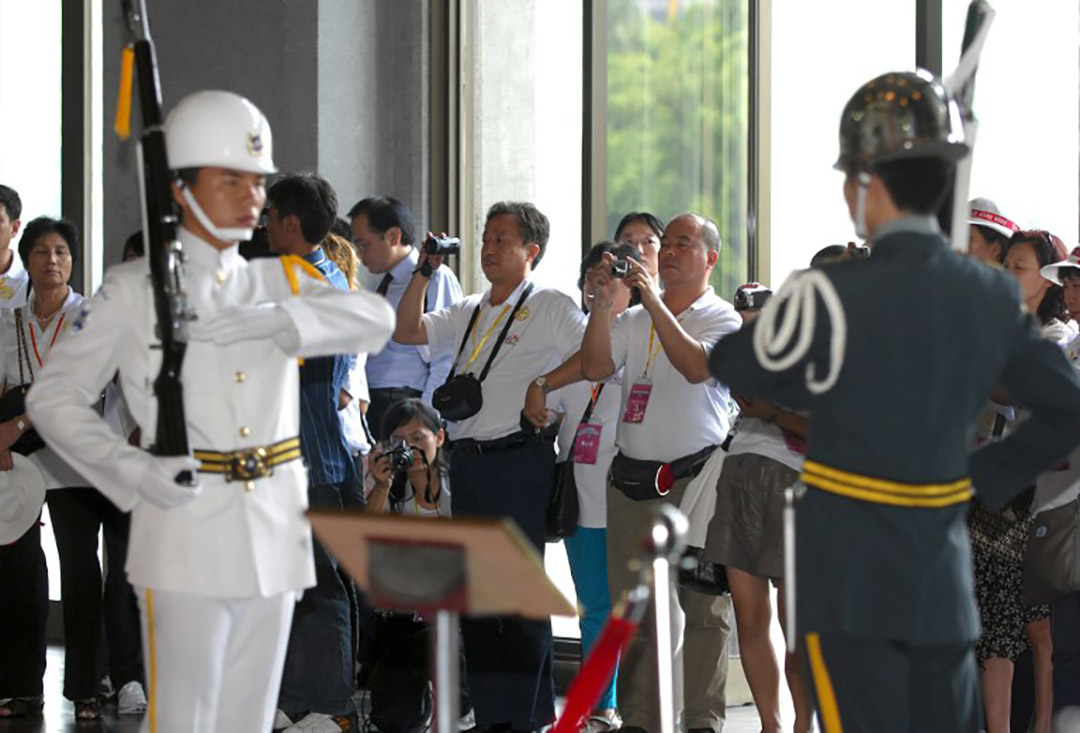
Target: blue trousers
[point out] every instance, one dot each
(319, 670)
(586, 550)
(508, 660)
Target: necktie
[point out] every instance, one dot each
(384, 285)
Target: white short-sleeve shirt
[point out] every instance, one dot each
(590, 479)
(681, 418)
(547, 329)
(39, 344)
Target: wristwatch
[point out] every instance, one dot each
(542, 383)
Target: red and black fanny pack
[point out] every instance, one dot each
(645, 480)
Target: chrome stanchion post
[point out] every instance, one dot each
(445, 663)
(665, 541)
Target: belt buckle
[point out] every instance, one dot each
(249, 464)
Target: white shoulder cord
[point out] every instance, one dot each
(773, 341)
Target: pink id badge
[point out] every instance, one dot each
(637, 401)
(587, 443)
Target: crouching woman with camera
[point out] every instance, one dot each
(410, 470)
(410, 477)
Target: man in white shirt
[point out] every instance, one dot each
(384, 234)
(13, 277)
(496, 468)
(218, 565)
(674, 414)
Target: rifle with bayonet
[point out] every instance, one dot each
(159, 230)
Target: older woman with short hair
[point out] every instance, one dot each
(49, 248)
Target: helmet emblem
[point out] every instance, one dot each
(255, 144)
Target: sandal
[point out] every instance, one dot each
(87, 709)
(22, 707)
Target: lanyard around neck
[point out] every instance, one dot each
(33, 339)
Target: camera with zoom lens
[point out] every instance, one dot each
(620, 268)
(442, 245)
(400, 454)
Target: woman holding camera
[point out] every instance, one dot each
(411, 478)
(410, 470)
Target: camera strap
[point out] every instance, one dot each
(498, 342)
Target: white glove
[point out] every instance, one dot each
(159, 486)
(242, 323)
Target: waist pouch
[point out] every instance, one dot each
(645, 480)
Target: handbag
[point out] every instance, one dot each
(460, 396)
(13, 401)
(564, 507)
(1052, 557)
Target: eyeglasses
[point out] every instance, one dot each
(264, 218)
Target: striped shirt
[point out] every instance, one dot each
(322, 440)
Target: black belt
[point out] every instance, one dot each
(249, 463)
(509, 442)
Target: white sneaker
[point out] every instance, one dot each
(321, 723)
(131, 700)
(281, 720)
(467, 721)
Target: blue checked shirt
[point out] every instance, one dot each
(322, 440)
(399, 365)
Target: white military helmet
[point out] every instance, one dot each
(219, 129)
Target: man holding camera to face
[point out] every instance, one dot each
(497, 341)
(673, 416)
(384, 232)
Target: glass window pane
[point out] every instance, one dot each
(1025, 99)
(30, 103)
(816, 67)
(526, 138)
(677, 117)
(526, 130)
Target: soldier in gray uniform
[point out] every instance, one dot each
(894, 356)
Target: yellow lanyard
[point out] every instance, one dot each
(652, 352)
(479, 346)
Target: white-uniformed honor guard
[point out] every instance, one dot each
(217, 565)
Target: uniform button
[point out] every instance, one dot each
(249, 486)
(245, 431)
(239, 377)
(221, 276)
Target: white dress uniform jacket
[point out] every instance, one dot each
(229, 542)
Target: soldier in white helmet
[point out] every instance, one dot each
(217, 566)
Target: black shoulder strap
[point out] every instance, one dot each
(465, 339)
(24, 356)
(585, 417)
(506, 329)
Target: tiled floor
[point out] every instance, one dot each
(59, 715)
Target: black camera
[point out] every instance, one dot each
(442, 245)
(620, 268)
(751, 297)
(400, 454)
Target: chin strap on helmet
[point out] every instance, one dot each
(861, 230)
(225, 234)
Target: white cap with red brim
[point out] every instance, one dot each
(985, 213)
(22, 493)
(1052, 272)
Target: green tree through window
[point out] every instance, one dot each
(677, 117)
